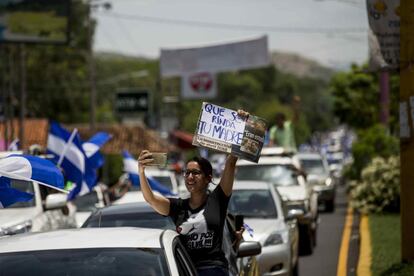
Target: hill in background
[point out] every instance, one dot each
(300, 66)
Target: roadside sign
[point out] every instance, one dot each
(132, 101)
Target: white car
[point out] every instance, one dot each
(284, 172)
(43, 213)
(96, 251)
(164, 177)
(261, 206)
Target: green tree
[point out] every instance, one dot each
(356, 98)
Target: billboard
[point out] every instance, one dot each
(34, 21)
(233, 56)
(199, 86)
(384, 34)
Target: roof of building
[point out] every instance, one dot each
(124, 137)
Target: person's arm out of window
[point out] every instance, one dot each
(160, 203)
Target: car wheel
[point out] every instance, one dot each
(330, 206)
(306, 243)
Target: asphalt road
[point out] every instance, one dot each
(324, 260)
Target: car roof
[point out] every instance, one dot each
(268, 160)
(250, 185)
(117, 237)
(126, 208)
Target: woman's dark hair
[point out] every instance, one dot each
(204, 164)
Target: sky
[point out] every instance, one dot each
(331, 32)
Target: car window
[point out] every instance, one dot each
(24, 186)
(279, 175)
(85, 262)
(86, 203)
(145, 220)
(314, 166)
(184, 265)
(253, 203)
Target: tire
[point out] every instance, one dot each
(306, 242)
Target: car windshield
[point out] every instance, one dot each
(23, 186)
(144, 219)
(86, 203)
(279, 175)
(90, 261)
(314, 166)
(253, 204)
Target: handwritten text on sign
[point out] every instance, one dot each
(221, 124)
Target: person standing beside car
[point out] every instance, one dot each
(199, 219)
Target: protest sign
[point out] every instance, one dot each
(221, 129)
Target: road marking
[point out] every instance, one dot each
(364, 262)
(343, 252)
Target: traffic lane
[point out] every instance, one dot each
(324, 260)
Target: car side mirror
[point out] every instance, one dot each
(55, 201)
(294, 214)
(249, 248)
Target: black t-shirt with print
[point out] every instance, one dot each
(201, 229)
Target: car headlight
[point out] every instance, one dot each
(22, 227)
(276, 238)
(328, 181)
(298, 204)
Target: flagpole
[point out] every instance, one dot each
(65, 149)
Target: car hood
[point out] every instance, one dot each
(262, 228)
(293, 192)
(13, 216)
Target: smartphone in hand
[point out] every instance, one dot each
(160, 159)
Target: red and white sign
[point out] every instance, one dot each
(199, 86)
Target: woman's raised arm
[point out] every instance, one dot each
(160, 203)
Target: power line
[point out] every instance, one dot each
(192, 23)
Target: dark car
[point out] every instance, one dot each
(141, 214)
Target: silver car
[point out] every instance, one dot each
(261, 206)
(318, 176)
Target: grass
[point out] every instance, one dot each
(386, 246)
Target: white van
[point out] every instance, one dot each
(46, 211)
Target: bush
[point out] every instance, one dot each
(379, 187)
(373, 142)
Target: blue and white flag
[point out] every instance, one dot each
(131, 167)
(248, 229)
(14, 145)
(93, 146)
(9, 196)
(29, 168)
(68, 153)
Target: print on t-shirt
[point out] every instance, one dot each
(196, 232)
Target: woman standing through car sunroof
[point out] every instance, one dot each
(199, 219)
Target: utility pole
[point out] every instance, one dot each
(92, 73)
(384, 81)
(407, 145)
(23, 94)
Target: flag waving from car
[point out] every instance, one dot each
(28, 168)
(131, 167)
(69, 155)
(92, 147)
